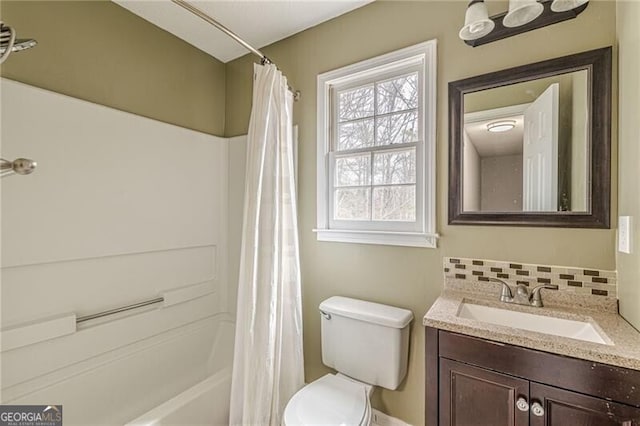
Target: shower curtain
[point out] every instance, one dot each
(268, 361)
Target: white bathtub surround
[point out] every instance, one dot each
(268, 358)
(193, 406)
(205, 403)
(123, 209)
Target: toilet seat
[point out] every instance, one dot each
(331, 400)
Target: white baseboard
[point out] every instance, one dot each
(378, 418)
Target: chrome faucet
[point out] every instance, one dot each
(523, 296)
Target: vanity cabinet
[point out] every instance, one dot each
(472, 396)
(476, 382)
(563, 407)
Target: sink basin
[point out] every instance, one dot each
(539, 323)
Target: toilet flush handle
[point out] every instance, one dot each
(325, 314)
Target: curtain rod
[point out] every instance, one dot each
(263, 58)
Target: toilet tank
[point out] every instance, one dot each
(365, 341)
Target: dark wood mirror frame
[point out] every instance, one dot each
(598, 63)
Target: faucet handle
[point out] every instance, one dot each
(506, 295)
(536, 297)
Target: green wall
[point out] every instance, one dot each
(100, 52)
(412, 277)
(628, 13)
(97, 51)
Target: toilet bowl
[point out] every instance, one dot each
(333, 399)
(367, 344)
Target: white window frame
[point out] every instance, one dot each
(421, 58)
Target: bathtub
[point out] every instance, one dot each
(206, 403)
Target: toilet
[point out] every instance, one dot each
(367, 344)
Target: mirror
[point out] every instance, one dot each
(531, 145)
(524, 146)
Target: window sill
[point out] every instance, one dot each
(407, 239)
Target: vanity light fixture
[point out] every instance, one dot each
(501, 126)
(522, 16)
(565, 5)
(476, 21)
(522, 12)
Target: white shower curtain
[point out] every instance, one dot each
(268, 361)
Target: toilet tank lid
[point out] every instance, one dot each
(375, 313)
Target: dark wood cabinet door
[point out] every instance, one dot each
(565, 408)
(471, 396)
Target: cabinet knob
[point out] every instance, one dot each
(537, 410)
(522, 404)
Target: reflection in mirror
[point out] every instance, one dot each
(526, 146)
(531, 145)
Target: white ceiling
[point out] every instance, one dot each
(490, 144)
(258, 22)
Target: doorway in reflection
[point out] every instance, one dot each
(525, 146)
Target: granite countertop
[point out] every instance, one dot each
(623, 350)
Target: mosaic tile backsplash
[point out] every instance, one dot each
(568, 279)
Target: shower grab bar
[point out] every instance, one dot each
(118, 310)
(65, 324)
(168, 298)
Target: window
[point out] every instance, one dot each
(376, 150)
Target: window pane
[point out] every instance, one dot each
(399, 94)
(394, 167)
(397, 128)
(357, 103)
(394, 203)
(352, 204)
(358, 134)
(353, 171)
